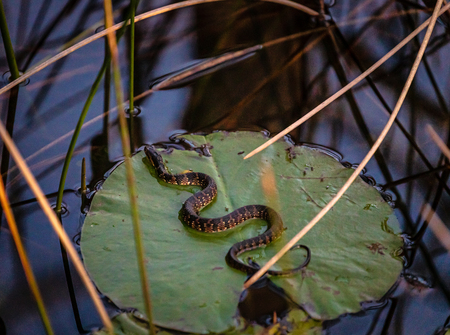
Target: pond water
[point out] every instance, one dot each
(307, 60)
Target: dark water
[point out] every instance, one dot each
(266, 89)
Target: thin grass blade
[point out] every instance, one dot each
(366, 159)
(145, 284)
(347, 87)
(65, 240)
(24, 259)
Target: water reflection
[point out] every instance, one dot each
(269, 90)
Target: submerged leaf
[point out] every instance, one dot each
(127, 324)
(301, 324)
(193, 289)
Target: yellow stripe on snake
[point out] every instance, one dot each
(194, 204)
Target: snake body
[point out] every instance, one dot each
(194, 204)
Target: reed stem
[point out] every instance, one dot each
(131, 85)
(132, 191)
(11, 59)
(83, 184)
(24, 258)
(56, 225)
(76, 133)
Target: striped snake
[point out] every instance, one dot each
(194, 204)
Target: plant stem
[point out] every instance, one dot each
(131, 94)
(12, 103)
(105, 68)
(77, 130)
(8, 45)
(64, 53)
(10, 118)
(24, 258)
(106, 92)
(132, 34)
(56, 225)
(129, 168)
(62, 182)
(366, 159)
(83, 184)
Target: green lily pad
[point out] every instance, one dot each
(127, 324)
(301, 324)
(353, 248)
(297, 322)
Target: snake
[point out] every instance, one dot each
(190, 215)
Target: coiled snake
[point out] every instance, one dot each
(193, 205)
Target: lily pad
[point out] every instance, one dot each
(127, 324)
(297, 322)
(353, 248)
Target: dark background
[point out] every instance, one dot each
(269, 90)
